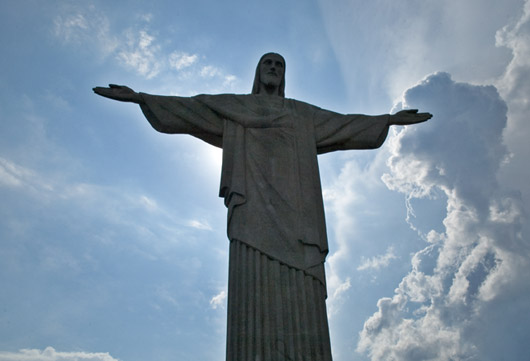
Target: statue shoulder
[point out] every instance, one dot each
(222, 98)
(303, 107)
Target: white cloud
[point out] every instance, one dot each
(16, 175)
(68, 27)
(141, 53)
(229, 80)
(514, 87)
(481, 254)
(181, 60)
(341, 288)
(200, 224)
(340, 197)
(50, 354)
(428, 339)
(209, 71)
(147, 17)
(12, 174)
(149, 203)
(377, 262)
(139, 49)
(85, 27)
(218, 300)
(351, 214)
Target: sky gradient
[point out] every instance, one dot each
(112, 236)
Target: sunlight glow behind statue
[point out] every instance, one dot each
(271, 186)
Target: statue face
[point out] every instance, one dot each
(272, 70)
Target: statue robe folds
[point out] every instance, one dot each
(271, 186)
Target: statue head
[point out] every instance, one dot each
(270, 73)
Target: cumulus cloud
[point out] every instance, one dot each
(50, 354)
(514, 86)
(480, 256)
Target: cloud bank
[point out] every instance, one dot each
(466, 272)
(514, 86)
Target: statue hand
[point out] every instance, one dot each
(121, 93)
(408, 116)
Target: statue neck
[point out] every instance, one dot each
(270, 90)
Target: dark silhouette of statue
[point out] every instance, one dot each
(271, 186)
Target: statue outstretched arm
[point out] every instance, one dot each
(171, 114)
(407, 117)
(121, 93)
(357, 131)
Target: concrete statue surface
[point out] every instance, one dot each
(271, 186)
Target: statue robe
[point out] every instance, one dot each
(271, 186)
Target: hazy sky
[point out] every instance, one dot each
(112, 236)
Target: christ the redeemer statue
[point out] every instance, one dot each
(271, 186)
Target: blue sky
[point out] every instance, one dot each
(112, 237)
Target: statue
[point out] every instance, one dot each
(271, 186)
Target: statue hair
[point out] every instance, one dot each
(256, 86)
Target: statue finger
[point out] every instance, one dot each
(425, 115)
(99, 90)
